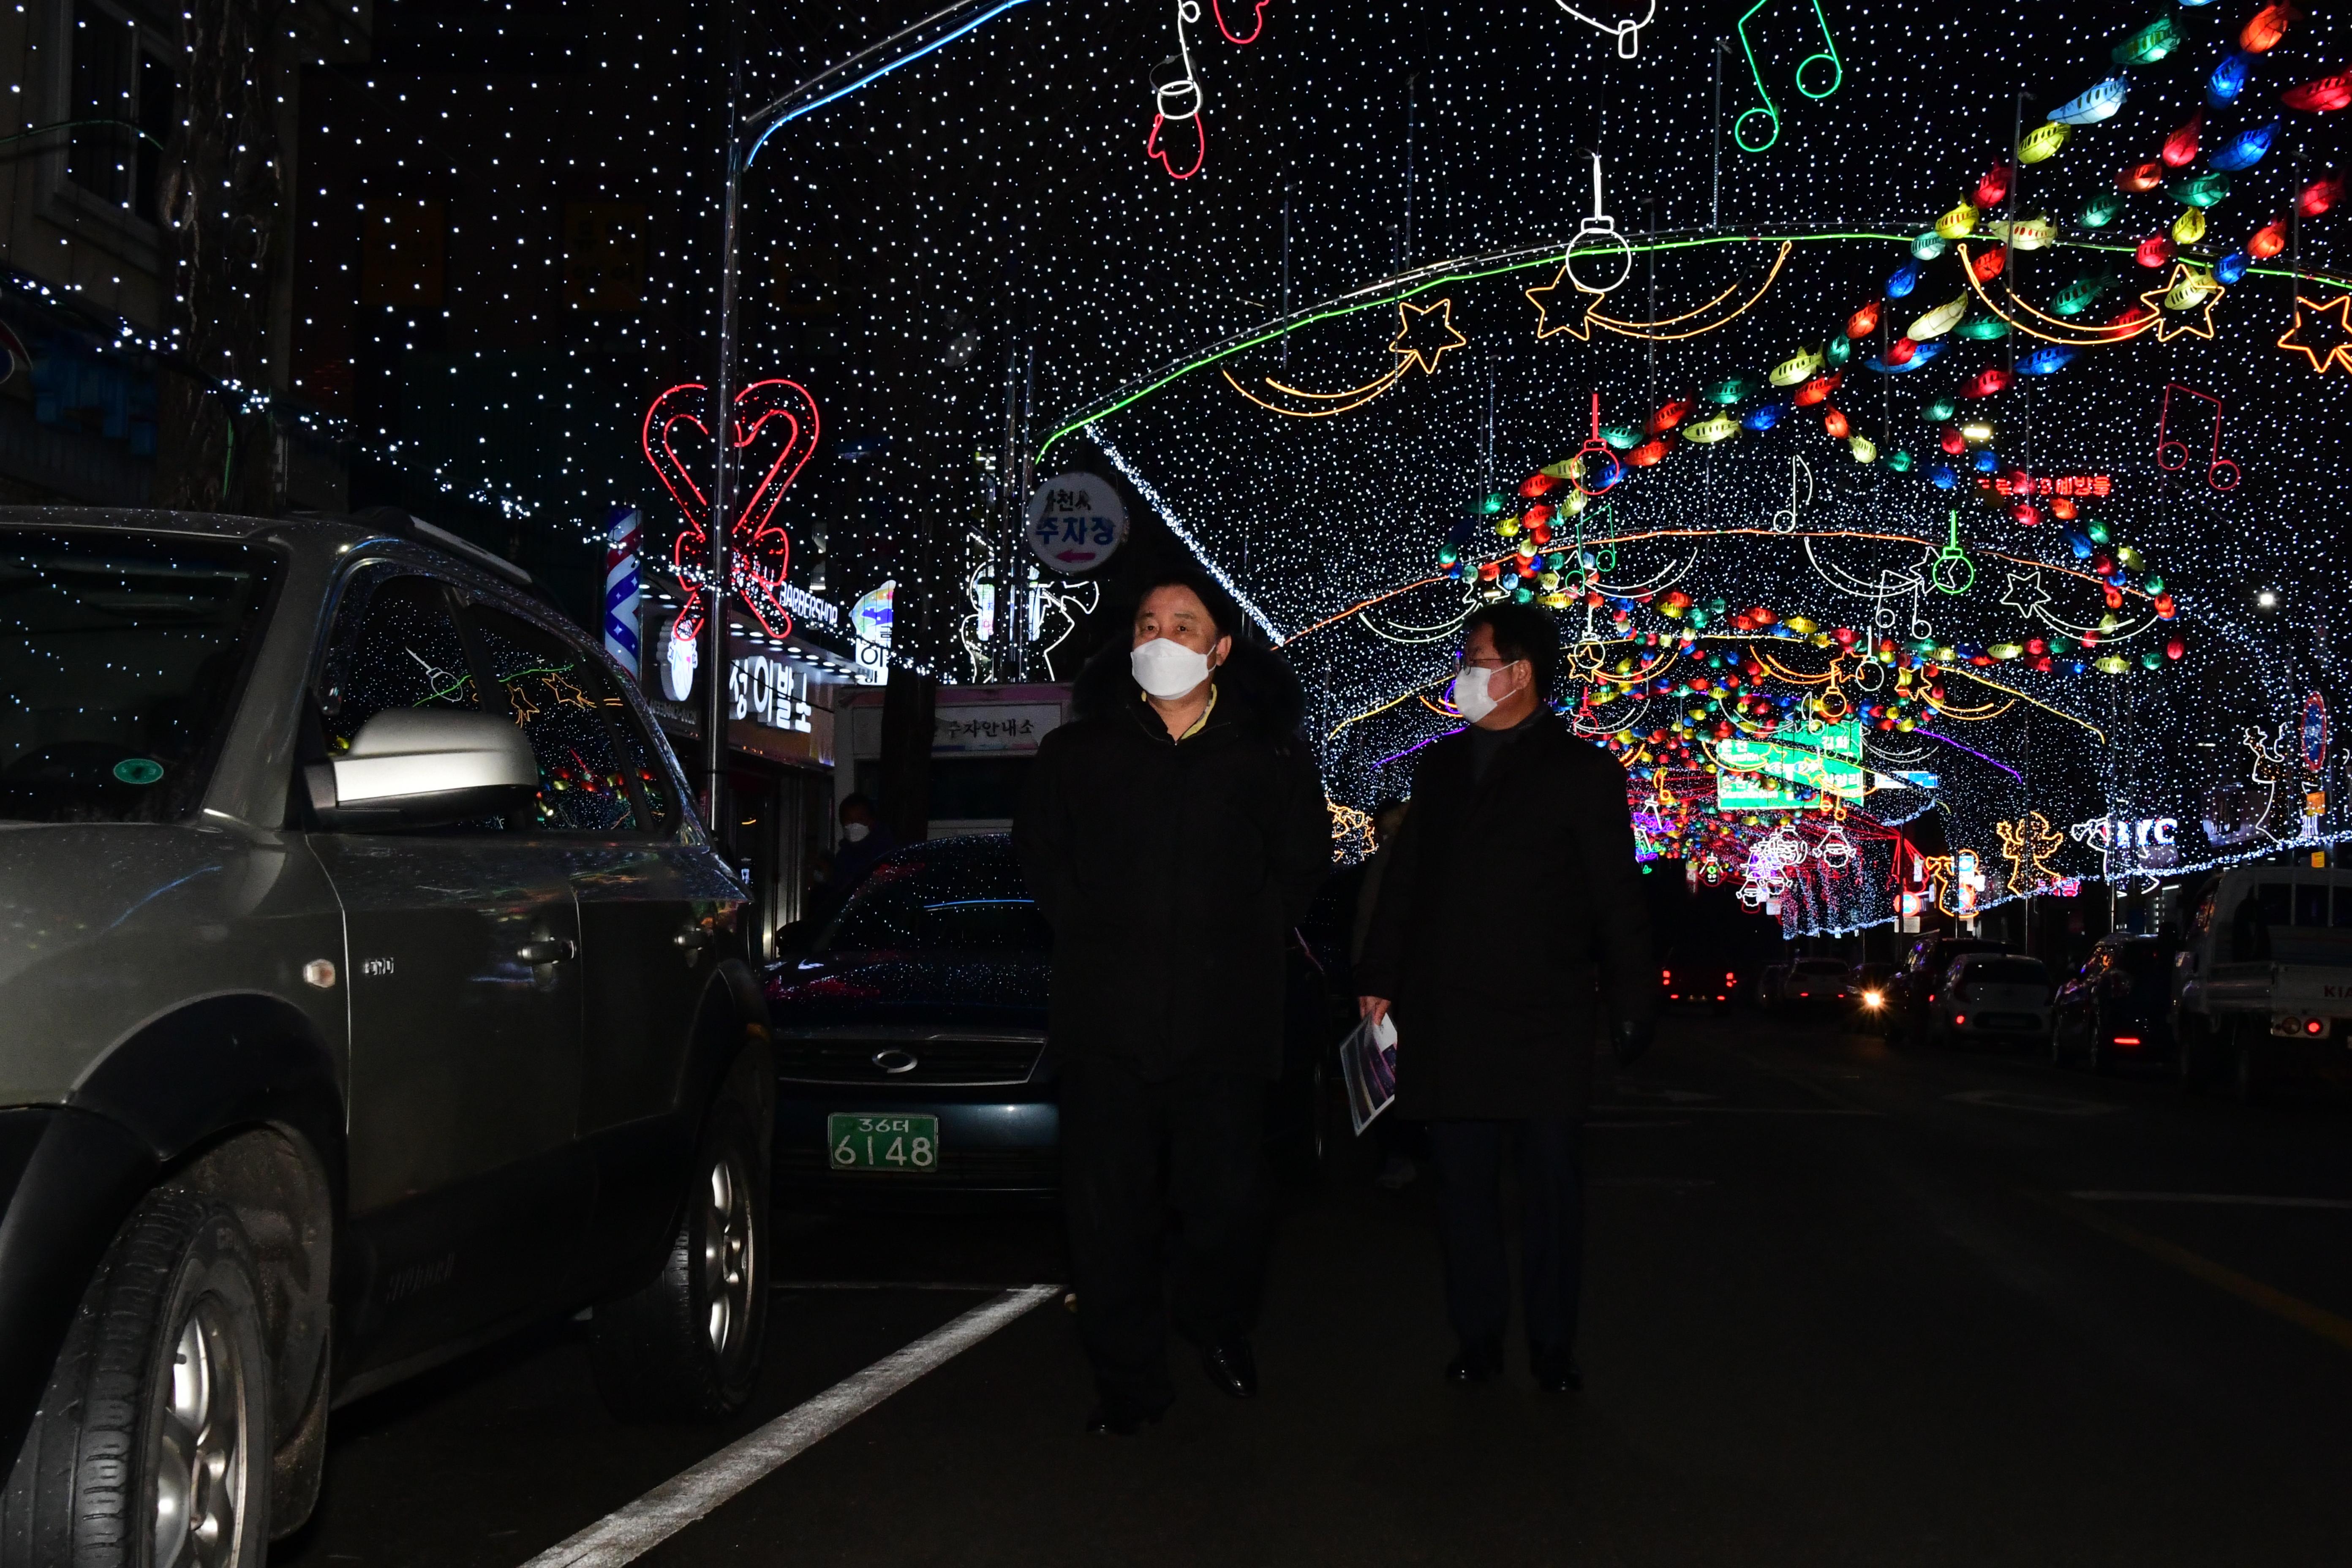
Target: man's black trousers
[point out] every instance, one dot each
(1469, 1160)
(1133, 1150)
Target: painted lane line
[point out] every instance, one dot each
(1737, 1110)
(2249, 1200)
(628, 1533)
(2328, 1325)
(1644, 1125)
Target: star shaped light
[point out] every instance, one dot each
(1564, 294)
(2189, 295)
(2333, 322)
(1409, 317)
(2024, 594)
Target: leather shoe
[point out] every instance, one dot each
(1479, 1362)
(1115, 1420)
(1557, 1374)
(1232, 1368)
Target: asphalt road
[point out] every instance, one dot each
(1843, 1306)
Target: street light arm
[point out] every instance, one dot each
(902, 47)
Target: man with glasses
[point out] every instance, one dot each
(1510, 921)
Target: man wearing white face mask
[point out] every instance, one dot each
(1513, 870)
(1172, 833)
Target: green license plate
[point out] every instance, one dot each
(883, 1142)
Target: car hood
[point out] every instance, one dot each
(909, 991)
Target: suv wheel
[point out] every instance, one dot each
(688, 1344)
(152, 1445)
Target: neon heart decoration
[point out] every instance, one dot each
(775, 429)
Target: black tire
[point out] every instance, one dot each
(687, 1345)
(2189, 1051)
(2249, 1067)
(2097, 1054)
(152, 1446)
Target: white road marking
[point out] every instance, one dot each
(628, 1533)
(974, 1288)
(2039, 1104)
(2249, 1200)
(1743, 1109)
(1592, 1124)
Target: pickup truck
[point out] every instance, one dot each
(2263, 986)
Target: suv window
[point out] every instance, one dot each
(558, 693)
(120, 659)
(2311, 903)
(393, 646)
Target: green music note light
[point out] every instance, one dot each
(1808, 72)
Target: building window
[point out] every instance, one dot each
(124, 97)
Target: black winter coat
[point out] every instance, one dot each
(1172, 871)
(1496, 901)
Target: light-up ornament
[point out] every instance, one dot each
(2326, 96)
(1918, 354)
(2265, 28)
(1929, 246)
(2321, 333)
(1992, 190)
(2186, 305)
(2154, 252)
(2148, 45)
(2042, 144)
(1599, 232)
(1939, 321)
(775, 421)
(1961, 221)
(2098, 104)
(2202, 189)
(2268, 240)
(2246, 149)
(2101, 210)
(1708, 432)
(2140, 178)
(2317, 197)
(2081, 295)
(1176, 104)
(1595, 451)
(1797, 367)
(2047, 361)
(1625, 30)
(2227, 79)
(2188, 229)
(1902, 281)
(2230, 268)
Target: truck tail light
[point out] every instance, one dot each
(2126, 1040)
(2315, 1026)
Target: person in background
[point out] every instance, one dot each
(1514, 867)
(863, 842)
(1394, 1137)
(1172, 833)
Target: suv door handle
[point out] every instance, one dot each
(555, 949)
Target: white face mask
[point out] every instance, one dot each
(856, 832)
(1167, 669)
(1470, 692)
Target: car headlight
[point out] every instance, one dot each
(1872, 999)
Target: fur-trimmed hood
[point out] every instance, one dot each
(1254, 685)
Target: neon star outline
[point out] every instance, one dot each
(2024, 592)
(2154, 299)
(2340, 307)
(1407, 313)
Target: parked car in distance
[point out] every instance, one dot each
(2118, 1007)
(371, 991)
(1912, 994)
(1695, 976)
(1869, 988)
(2263, 986)
(1993, 996)
(1811, 981)
(910, 1041)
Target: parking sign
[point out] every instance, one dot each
(1076, 523)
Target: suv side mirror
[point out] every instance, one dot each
(424, 767)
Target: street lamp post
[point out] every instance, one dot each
(827, 87)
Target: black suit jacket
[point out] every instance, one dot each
(1510, 910)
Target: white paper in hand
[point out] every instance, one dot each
(1368, 1064)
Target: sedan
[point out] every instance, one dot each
(2116, 1009)
(910, 1041)
(1991, 996)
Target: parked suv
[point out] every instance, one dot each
(370, 991)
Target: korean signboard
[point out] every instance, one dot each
(1076, 523)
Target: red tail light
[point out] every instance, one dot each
(2127, 1039)
(2315, 1026)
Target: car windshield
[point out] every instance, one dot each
(1821, 966)
(950, 896)
(2006, 972)
(120, 656)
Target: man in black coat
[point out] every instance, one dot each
(1172, 833)
(1514, 869)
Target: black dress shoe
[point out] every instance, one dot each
(1480, 1363)
(1557, 1374)
(1232, 1368)
(1115, 1420)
